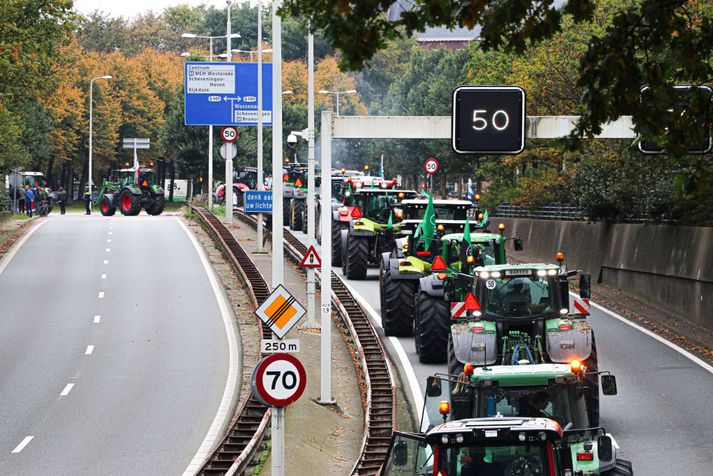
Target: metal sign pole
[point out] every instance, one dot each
(278, 441)
(260, 180)
(311, 318)
(229, 156)
(277, 212)
(326, 271)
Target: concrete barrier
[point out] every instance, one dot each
(663, 265)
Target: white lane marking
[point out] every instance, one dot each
(68, 388)
(108, 250)
(223, 414)
(413, 384)
(16, 247)
(90, 350)
(110, 233)
(97, 319)
(103, 276)
(22, 444)
(101, 294)
(106, 261)
(653, 335)
(108, 240)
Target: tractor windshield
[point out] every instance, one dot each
(246, 177)
(483, 252)
(375, 207)
(441, 212)
(338, 190)
(529, 459)
(557, 402)
(517, 296)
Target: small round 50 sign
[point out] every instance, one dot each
(431, 165)
(229, 134)
(279, 380)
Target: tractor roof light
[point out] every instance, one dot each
(477, 197)
(401, 195)
(444, 408)
(399, 214)
(551, 272)
(559, 256)
(484, 274)
(564, 311)
(444, 440)
(460, 438)
(470, 259)
(468, 369)
(480, 216)
(576, 366)
(440, 227)
(501, 227)
(495, 274)
(522, 437)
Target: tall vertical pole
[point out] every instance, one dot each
(277, 212)
(229, 148)
(326, 181)
(326, 270)
(337, 98)
(91, 136)
(278, 441)
(210, 141)
(260, 180)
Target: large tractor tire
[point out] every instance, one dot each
(106, 206)
(431, 328)
(397, 304)
(286, 211)
(336, 243)
(304, 220)
(156, 206)
(357, 257)
(318, 227)
(239, 197)
(129, 204)
(591, 379)
(622, 468)
(297, 214)
(455, 367)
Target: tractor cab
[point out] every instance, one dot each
(375, 204)
(503, 446)
(245, 178)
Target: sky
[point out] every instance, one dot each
(131, 8)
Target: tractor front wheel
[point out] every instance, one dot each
(622, 467)
(296, 218)
(129, 204)
(397, 304)
(431, 328)
(357, 257)
(156, 206)
(106, 206)
(336, 243)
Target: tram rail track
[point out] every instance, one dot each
(380, 398)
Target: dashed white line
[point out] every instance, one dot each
(97, 319)
(108, 250)
(101, 294)
(103, 276)
(108, 240)
(22, 444)
(68, 388)
(106, 261)
(111, 233)
(90, 350)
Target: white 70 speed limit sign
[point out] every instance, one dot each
(279, 380)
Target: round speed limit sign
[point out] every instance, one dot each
(279, 379)
(229, 134)
(431, 165)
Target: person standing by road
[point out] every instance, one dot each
(21, 201)
(29, 200)
(62, 199)
(87, 201)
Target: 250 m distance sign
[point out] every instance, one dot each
(278, 380)
(488, 120)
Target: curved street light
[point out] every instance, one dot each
(337, 94)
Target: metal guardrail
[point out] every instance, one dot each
(380, 398)
(246, 430)
(554, 211)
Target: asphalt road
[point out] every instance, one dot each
(661, 417)
(114, 353)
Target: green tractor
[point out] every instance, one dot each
(407, 262)
(129, 192)
(294, 177)
(496, 397)
(371, 231)
(507, 314)
(504, 446)
(460, 254)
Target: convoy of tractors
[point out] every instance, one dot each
(522, 387)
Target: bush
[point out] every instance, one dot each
(4, 199)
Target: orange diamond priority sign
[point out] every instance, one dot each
(280, 311)
(311, 259)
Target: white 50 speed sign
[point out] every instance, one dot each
(431, 165)
(279, 380)
(229, 134)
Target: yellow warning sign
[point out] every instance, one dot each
(280, 311)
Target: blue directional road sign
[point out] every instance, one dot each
(225, 94)
(258, 201)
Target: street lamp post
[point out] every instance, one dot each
(337, 94)
(91, 129)
(210, 128)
